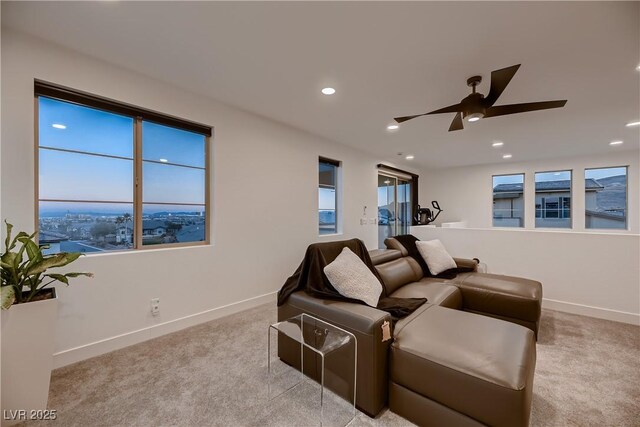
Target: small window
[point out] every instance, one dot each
(605, 198)
(112, 180)
(508, 200)
(328, 196)
(553, 199)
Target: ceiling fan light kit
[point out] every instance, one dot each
(476, 106)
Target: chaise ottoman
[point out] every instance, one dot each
(450, 367)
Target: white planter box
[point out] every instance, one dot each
(27, 343)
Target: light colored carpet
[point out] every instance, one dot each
(587, 374)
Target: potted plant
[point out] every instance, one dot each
(28, 318)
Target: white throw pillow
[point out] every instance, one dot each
(352, 278)
(436, 256)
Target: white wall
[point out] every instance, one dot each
(264, 206)
(585, 273)
(592, 272)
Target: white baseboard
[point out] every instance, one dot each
(72, 355)
(587, 310)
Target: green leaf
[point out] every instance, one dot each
(7, 296)
(15, 239)
(57, 260)
(33, 252)
(9, 259)
(8, 238)
(59, 277)
(78, 274)
(32, 248)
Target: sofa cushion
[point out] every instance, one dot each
(353, 279)
(436, 256)
(379, 256)
(506, 296)
(438, 293)
(476, 365)
(392, 243)
(398, 273)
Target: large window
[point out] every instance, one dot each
(508, 200)
(112, 179)
(553, 199)
(328, 196)
(606, 198)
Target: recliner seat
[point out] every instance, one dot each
(514, 299)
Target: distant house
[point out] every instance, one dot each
(508, 205)
(124, 234)
(553, 205)
(52, 240)
(153, 228)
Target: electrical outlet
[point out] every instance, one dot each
(155, 306)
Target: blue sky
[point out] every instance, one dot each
(508, 179)
(326, 199)
(72, 176)
(604, 172)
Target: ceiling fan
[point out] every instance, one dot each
(477, 106)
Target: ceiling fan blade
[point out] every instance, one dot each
(450, 109)
(503, 110)
(405, 118)
(499, 81)
(456, 124)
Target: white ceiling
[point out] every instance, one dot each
(385, 59)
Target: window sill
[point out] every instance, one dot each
(330, 235)
(146, 250)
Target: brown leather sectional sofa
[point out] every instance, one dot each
(463, 358)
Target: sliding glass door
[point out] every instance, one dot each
(394, 207)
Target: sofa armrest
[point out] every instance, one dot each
(366, 324)
(466, 263)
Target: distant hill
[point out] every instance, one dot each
(173, 213)
(614, 194)
(612, 180)
(60, 213)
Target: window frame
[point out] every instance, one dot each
(627, 225)
(413, 180)
(59, 93)
(524, 199)
(338, 165)
(543, 204)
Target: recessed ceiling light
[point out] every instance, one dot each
(410, 157)
(616, 143)
(58, 126)
(633, 124)
(392, 127)
(164, 160)
(507, 156)
(473, 118)
(328, 91)
(497, 144)
(638, 68)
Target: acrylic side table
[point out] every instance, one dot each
(322, 338)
